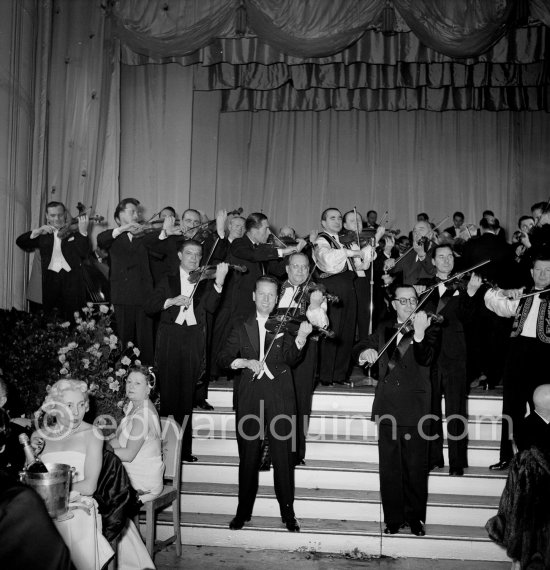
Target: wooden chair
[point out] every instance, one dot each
(171, 453)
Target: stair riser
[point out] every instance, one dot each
(338, 402)
(399, 546)
(308, 478)
(334, 510)
(336, 451)
(205, 424)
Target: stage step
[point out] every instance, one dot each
(357, 400)
(326, 423)
(221, 498)
(337, 491)
(339, 536)
(346, 475)
(481, 453)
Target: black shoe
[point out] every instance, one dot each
(326, 383)
(302, 462)
(437, 466)
(392, 528)
(417, 528)
(190, 458)
(458, 472)
(204, 405)
(237, 523)
(292, 524)
(500, 466)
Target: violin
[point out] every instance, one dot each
(366, 237)
(436, 319)
(280, 323)
(209, 272)
(71, 226)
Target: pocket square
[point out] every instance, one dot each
(71, 239)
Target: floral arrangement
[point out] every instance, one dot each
(96, 355)
(37, 351)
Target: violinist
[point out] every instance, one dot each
(130, 276)
(353, 224)
(456, 304)
(180, 350)
(417, 263)
(311, 306)
(528, 351)
(401, 403)
(337, 272)
(266, 404)
(63, 286)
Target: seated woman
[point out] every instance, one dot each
(65, 438)
(138, 438)
(70, 440)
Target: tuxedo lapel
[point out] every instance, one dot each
(400, 350)
(251, 328)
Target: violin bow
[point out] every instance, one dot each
(456, 276)
(277, 332)
(394, 336)
(534, 293)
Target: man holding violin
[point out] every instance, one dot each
(180, 352)
(309, 304)
(405, 349)
(528, 349)
(454, 301)
(266, 404)
(62, 256)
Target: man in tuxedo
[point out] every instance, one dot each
(180, 353)
(528, 350)
(130, 277)
(266, 405)
(62, 257)
(401, 404)
(457, 306)
(313, 306)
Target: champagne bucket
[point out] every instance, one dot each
(54, 487)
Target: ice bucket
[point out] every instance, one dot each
(54, 487)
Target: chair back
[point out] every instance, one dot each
(172, 441)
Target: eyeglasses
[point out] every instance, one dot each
(297, 267)
(403, 301)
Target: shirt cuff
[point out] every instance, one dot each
(164, 307)
(300, 343)
(218, 288)
(116, 232)
(162, 235)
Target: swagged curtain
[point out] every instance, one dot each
(369, 55)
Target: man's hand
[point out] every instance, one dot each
(221, 272)
(313, 236)
(42, 230)
(513, 294)
(389, 264)
(221, 218)
(421, 323)
(370, 355)
(418, 246)
(474, 284)
(301, 244)
(380, 231)
(304, 330)
(132, 227)
(390, 244)
(316, 299)
(419, 289)
(83, 221)
(180, 301)
(255, 365)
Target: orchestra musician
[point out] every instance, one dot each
(130, 276)
(456, 303)
(528, 350)
(313, 306)
(62, 258)
(336, 272)
(181, 339)
(266, 404)
(401, 401)
(416, 264)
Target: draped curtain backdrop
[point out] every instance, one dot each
(223, 103)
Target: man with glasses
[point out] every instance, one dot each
(313, 306)
(401, 404)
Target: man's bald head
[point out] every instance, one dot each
(541, 399)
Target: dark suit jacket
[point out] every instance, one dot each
(75, 248)
(244, 342)
(205, 299)
(405, 391)
(489, 246)
(243, 252)
(131, 281)
(457, 308)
